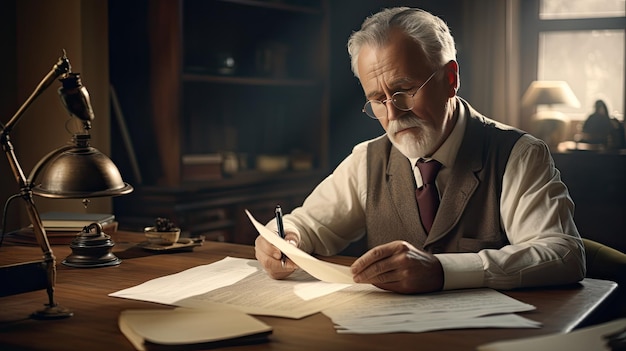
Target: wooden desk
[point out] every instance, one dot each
(94, 324)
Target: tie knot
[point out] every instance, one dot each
(428, 170)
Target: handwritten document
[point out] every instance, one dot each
(354, 308)
(388, 312)
(197, 280)
(325, 271)
(325, 287)
(242, 283)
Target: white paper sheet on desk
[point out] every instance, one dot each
(242, 283)
(193, 281)
(325, 271)
(392, 313)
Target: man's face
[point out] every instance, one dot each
(400, 66)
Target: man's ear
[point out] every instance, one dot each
(452, 76)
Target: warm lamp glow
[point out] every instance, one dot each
(548, 124)
(549, 92)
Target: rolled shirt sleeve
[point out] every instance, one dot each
(537, 215)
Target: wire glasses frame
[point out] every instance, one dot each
(403, 101)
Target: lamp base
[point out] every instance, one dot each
(92, 249)
(52, 312)
(114, 261)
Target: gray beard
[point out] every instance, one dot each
(409, 144)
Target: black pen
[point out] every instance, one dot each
(281, 230)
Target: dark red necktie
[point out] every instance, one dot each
(427, 196)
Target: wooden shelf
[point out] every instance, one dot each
(216, 209)
(277, 5)
(277, 72)
(240, 77)
(262, 81)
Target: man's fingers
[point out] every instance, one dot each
(374, 256)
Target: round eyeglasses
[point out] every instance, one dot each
(403, 101)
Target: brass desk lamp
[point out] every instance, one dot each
(76, 171)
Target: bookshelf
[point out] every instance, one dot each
(244, 80)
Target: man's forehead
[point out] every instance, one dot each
(392, 66)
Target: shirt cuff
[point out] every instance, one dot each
(461, 270)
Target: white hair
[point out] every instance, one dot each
(430, 32)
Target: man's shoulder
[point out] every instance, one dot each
(482, 128)
(478, 119)
(494, 125)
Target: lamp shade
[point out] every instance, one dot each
(80, 172)
(548, 92)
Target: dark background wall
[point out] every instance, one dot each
(348, 125)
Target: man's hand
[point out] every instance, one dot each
(398, 266)
(270, 257)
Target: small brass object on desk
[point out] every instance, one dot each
(92, 248)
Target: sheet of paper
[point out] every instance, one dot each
(242, 283)
(198, 280)
(388, 312)
(296, 297)
(325, 271)
(507, 320)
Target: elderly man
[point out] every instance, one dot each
(497, 214)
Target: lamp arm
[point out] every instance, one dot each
(53, 310)
(7, 146)
(48, 256)
(40, 233)
(61, 67)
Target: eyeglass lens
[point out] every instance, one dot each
(377, 109)
(401, 100)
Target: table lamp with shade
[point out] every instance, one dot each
(549, 124)
(74, 171)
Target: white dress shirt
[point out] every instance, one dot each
(536, 213)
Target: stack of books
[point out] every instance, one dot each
(62, 227)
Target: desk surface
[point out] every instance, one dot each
(94, 324)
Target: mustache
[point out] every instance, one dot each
(404, 123)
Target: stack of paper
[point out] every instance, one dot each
(354, 308)
(390, 313)
(244, 284)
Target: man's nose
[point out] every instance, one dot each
(392, 111)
